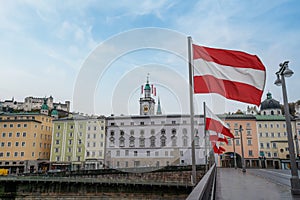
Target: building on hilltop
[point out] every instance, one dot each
(34, 104)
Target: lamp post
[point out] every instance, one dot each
(234, 154)
(283, 72)
(297, 146)
(242, 148)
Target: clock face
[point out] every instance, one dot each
(146, 108)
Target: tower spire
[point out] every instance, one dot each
(158, 111)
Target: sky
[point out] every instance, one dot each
(97, 54)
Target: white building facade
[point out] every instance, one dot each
(153, 141)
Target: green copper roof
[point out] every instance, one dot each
(54, 112)
(45, 106)
(147, 86)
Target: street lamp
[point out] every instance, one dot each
(283, 72)
(234, 154)
(297, 145)
(242, 147)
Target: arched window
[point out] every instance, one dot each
(122, 141)
(174, 138)
(152, 141)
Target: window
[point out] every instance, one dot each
(19, 125)
(71, 134)
(57, 142)
(3, 135)
(11, 125)
(249, 142)
(94, 136)
(237, 141)
(9, 134)
(236, 132)
(56, 150)
(24, 134)
(79, 141)
(173, 122)
(185, 141)
(249, 132)
(131, 141)
(7, 154)
(272, 135)
(156, 153)
(229, 141)
(274, 145)
(142, 142)
(148, 153)
(275, 154)
(95, 128)
(9, 144)
(70, 142)
(79, 149)
(266, 125)
(152, 141)
(135, 153)
(71, 127)
(250, 153)
(166, 153)
(18, 134)
(57, 134)
(261, 145)
(58, 126)
(278, 135)
(16, 154)
(268, 145)
(267, 134)
(17, 144)
(118, 153)
(23, 144)
(126, 152)
(33, 144)
(1, 154)
(2, 144)
(122, 141)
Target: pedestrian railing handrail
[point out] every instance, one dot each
(205, 189)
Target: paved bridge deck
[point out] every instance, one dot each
(233, 184)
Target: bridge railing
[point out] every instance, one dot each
(205, 189)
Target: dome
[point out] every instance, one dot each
(54, 112)
(269, 103)
(45, 106)
(147, 86)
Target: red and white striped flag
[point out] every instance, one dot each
(217, 149)
(233, 74)
(213, 136)
(215, 124)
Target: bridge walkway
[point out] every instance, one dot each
(233, 184)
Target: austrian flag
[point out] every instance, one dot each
(215, 124)
(233, 74)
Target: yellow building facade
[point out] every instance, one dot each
(25, 141)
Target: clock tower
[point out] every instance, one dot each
(147, 103)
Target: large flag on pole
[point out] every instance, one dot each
(215, 124)
(233, 74)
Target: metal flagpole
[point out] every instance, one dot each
(205, 135)
(191, 77)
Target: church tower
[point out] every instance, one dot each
(147, 103)
(45, 108)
